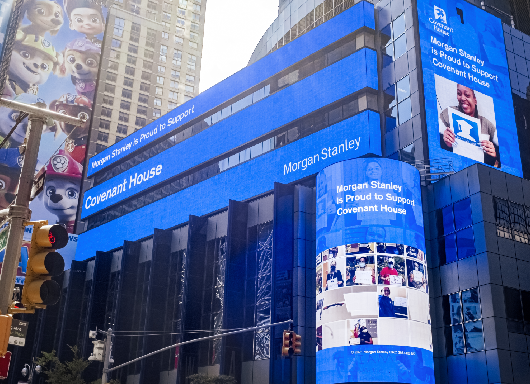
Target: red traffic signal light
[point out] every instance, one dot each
(43, 263)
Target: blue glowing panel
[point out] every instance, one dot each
(286, 164)
(340, 26)
(372, 302)
(468, 101)
(333, 83)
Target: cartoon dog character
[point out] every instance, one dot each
(81, 62)
(8, 119)
(86, 17)
(77, 106)
(10, 164)
(32, 61)
(61, 188)
(45, 16)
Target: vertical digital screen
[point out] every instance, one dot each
(372, 302)
(469, 108)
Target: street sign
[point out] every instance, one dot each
(38, 183)
(4, 365)
(18, 332)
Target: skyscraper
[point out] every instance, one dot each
(151, 61)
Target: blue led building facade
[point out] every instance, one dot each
(250, 205)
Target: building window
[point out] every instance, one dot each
(131, 60)
(166, 24)
(151, 5)
(175, 74)
(161, 69)
(163, 53)
(134, 9)
(193, 45)
(181, 12)
(123, 117)
(195, 17)
(179, 40)
(118, 138)
(173, 95)
(108, 100)
(125, 105)
(194, 36)
(190, 79)
(113, 65)
(118, 26)
(398, 105)
(177, 57)
(157, 112)
(166, 16)
(114, 54)
(183, 3)
(171, 106)
(135, 28)
(129, 71)
(111, 76)
(122, 129)
(160, 80)
(165, 35)
(143, 98)
(394, 38)
(150, 44)
(194, 26)
(146, 76)
(196, 7)
(181, 22)
(174, 84)
(149, 54)
(104, 124)
(127, 93)
(148, 64)
(102, 136)
(100, 148)
(158, 102)
(107, 112)
(191, 62)
(116, 43)
(141, 110)
(187, 98)
(151, 34)
(463, 322)
(159, 90)
(167, 7)
(133, 48)
(180, 31)
(140, 121)
(110, 88)
(144, 87)
(151, 15)
(189, 88)
(128, 82)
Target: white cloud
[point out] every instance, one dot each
(232, 30)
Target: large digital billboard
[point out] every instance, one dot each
(468, 102)
(55, 60)
(372, 302)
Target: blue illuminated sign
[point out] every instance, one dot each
(372, 302)
(468, 102)
(335, 82)
(342, 25)
(252, 178)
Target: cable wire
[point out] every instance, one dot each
(20, 117)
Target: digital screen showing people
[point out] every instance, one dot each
(55, 61)
(470, 116)
(372, 295)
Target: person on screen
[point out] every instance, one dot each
(334, 277)
(415, 283)
(467, 103)
(350, 274)
(365, 337)
(388, 271)
(386, 305)
(362, 266)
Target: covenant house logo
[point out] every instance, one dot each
(134, 181)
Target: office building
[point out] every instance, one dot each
(367, 171)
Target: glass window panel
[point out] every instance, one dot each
(450, 248)
(447, 215)
(512, 302)
(525, 298)
(474, 336)
(465, 243)
(457, 334)
(462, 211)
(389, 50)
(403, 89)
(400, 46)
(390, 124)
(404, 111)
(455, 309)
(386, 33)
(398, 26)
(471, 305)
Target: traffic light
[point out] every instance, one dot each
(291, 344)
(5, 332)
(43, 263)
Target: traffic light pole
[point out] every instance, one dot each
(106, 358)
(19, 213)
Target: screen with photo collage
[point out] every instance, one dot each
(372, 298)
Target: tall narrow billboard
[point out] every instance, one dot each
(55, 60)
(468, 101)
(372, 301)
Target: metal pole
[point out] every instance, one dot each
(19, 212)
(106, 359)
